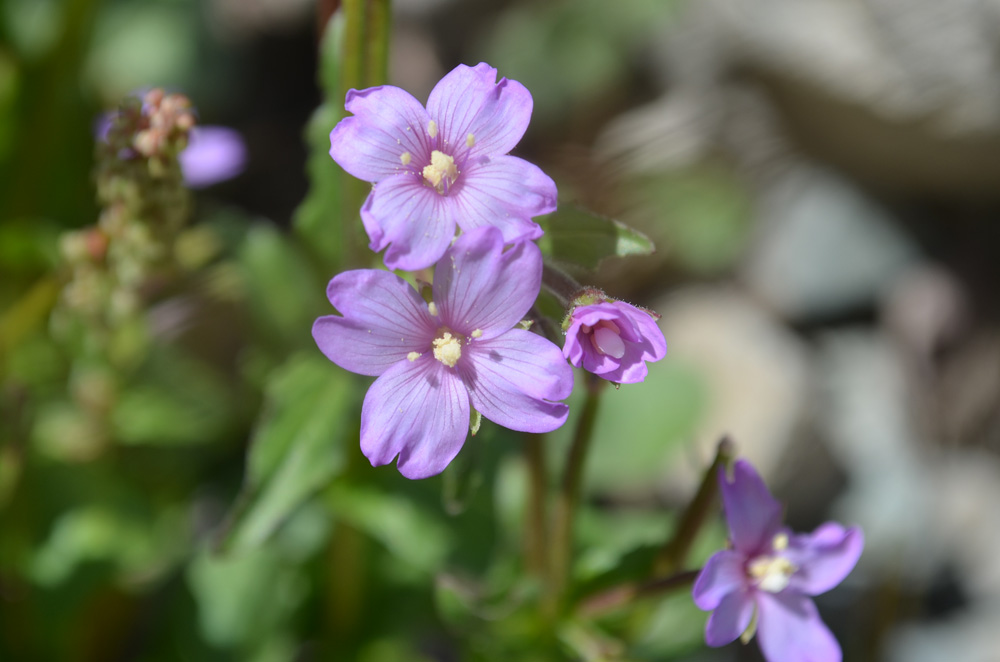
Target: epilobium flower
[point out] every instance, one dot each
(213, 154)
(764, 581)
(612, 339)
(443, 165)
(435, 360)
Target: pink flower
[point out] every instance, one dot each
(442, 166)
(767, 577)
(612, 339)
(434, 361)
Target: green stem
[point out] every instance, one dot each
(620, 596)
(352, 69)
(674, 552)
(536, 535)
(569, 497)
(379, 26)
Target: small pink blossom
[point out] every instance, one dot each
(612, 339)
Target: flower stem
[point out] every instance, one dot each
(536, 536)
(378, 27)
(569, 497)
(620, 596)
(562, 286)
(672, 555)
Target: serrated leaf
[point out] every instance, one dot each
(299, 445)
(578, 238)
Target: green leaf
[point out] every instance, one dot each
(408, 531)
(175, 400)
(578, 238)
(244, 600)
(299, 445)
(282, 291)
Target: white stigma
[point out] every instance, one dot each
(470, 140)
(404, 158)
(441, 172)
(606, 338)
(432, 129)
(413, 356)
(447, 349)
(432, 308)
(772, 573)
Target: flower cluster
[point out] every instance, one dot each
(443, 362)
(763, 583)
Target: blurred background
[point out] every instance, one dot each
(822, 182)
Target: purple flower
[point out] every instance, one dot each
(765, 579)
(435, 360)
(612, 339)
(443, 165)
(213, 154)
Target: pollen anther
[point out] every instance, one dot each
(432, 308)
(441, 172)
(413, 356)
(432, 129)
(470, 140)
(478, 333)
(448, 349)
(404, 158)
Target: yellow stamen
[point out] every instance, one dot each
(773, 572)
(404, 158)
(413, 356)
(441, 172)
(478, 333)
(432, 129)
(447, 349)
(470, 140)
(432, 308)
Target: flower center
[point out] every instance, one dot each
(772, 573)
(448, 348)
(606, 338)
(441, 172)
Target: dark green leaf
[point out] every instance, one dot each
(578, 238)
(299, 445)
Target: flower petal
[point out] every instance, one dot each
(824, 557)
(418, 410)
(506, 192)
(408, 218)
(383, 320)
(753, 515)
(213, 154)
(479, 286)
(470, 100)
(723, 574)
(386, 122)
(730, 619)
(514, 379)
(789, 629)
